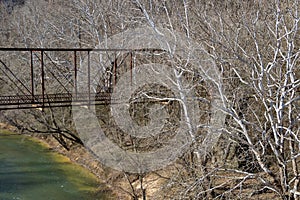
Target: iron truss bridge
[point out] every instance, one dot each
(31, 77)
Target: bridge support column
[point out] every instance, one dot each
(32, 77)
(43, 77)
(89, 79)
(75, 74)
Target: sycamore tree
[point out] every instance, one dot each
(253, 48)
(256, 48)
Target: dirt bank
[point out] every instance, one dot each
(117, 182)
(122, 186)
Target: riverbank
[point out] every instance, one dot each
(80, 156)
(29, 170)
(116, 183)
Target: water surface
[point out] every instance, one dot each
(28, 170)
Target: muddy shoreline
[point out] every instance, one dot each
(77, 155)
(115, 182)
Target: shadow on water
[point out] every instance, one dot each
(30, 171)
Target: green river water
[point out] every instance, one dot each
(30, 171)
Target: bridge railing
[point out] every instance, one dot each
(52, 100)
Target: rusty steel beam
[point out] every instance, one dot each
(89, 79)
(81, 49)
(75, 73)
(43, 76)
(32, 75)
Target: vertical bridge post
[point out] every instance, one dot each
(43, 77)
(89, 79)
(75, 74)
(32, 76)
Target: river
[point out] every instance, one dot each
(29, 170)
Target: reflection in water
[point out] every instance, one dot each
(30, 171)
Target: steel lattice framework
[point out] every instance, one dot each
(26, 95)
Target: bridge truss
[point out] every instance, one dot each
(48, 77)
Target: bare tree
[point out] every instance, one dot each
(255, 47)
